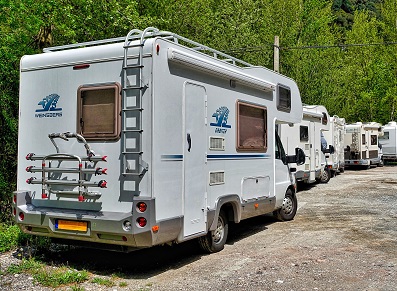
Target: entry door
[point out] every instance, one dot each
(314, 155)
(195, 141)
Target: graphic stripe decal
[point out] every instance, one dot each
(219, 157)
(238, 157)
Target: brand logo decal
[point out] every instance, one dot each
(49, 107)
(221, 116)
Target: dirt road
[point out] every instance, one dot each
(344, 237)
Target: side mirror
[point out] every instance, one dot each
(299, 157)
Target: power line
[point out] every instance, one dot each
(341, 46)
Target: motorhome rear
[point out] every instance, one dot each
(361, 144)
(307, 135)
(335, 137)
(388, 141)
(147, 140)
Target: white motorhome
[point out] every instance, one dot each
(308, 135)
(150, 139)
(361, 144)
(335, 137)
(388, 142)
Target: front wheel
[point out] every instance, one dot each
(214, 241)
(288, 209)
(325, 175)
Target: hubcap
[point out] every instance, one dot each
(218, 233)
(288, 205)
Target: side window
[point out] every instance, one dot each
(283, 98)
(280, 153)
(374, 139)
(98, 114)
(363, 138)
(385, 135)
(304, 133)
(251, 127)
(324, 119)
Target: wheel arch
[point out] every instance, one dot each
(231, 205)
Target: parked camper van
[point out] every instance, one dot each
(335, 136)
(361, 144)
(308, 135)
(388, 142)
(150, 139)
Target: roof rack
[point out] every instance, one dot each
(135, 34)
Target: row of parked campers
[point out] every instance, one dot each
(330, 144)
(154, 139)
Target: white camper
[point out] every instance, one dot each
(150, 139)
(361, 144)
(308, 135)
(335, 137)
(388, 142)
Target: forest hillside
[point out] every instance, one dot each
(342, 53)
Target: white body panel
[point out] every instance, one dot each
(307, 135)
(389, 141)
(361, 144)
(335, 137)
(181, 98)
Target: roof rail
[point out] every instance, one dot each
(135, 34)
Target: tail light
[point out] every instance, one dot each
(21, 216)
(141, 221)
(141, 206)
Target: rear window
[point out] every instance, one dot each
(99, 111)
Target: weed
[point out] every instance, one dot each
(60, 276)
(32, 266)
(102, 281)
(49, 276)
(123, 284)
(76, 288)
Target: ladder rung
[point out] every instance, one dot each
(132, 130)
(132, 66)
(133, 88)
(133, 45)
(132, 109)
(132, 153)
(132, 174)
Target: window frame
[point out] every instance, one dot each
(115, 134)
(281, 107)
(241, 148)
(300, 133)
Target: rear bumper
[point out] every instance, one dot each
(101, 227)
(357, 162)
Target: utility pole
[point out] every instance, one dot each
(276, 65)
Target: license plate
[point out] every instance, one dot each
(71, 225)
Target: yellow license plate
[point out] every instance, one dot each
(71, 225)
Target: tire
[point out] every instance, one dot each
(214, 241)
(341, 170)
(325, 175)
(288, 209)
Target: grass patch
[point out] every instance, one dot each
(12, 237)
(49, 276)
(76, 288)
(123, 284)
(8, 237)
(103, 281)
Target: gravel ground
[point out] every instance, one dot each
(344, 237)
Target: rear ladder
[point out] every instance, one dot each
(132, 91)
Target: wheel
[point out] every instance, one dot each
(325, 175)
(289, 207)
(341, 170)
(214, 241)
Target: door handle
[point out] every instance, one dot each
(189, 142)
